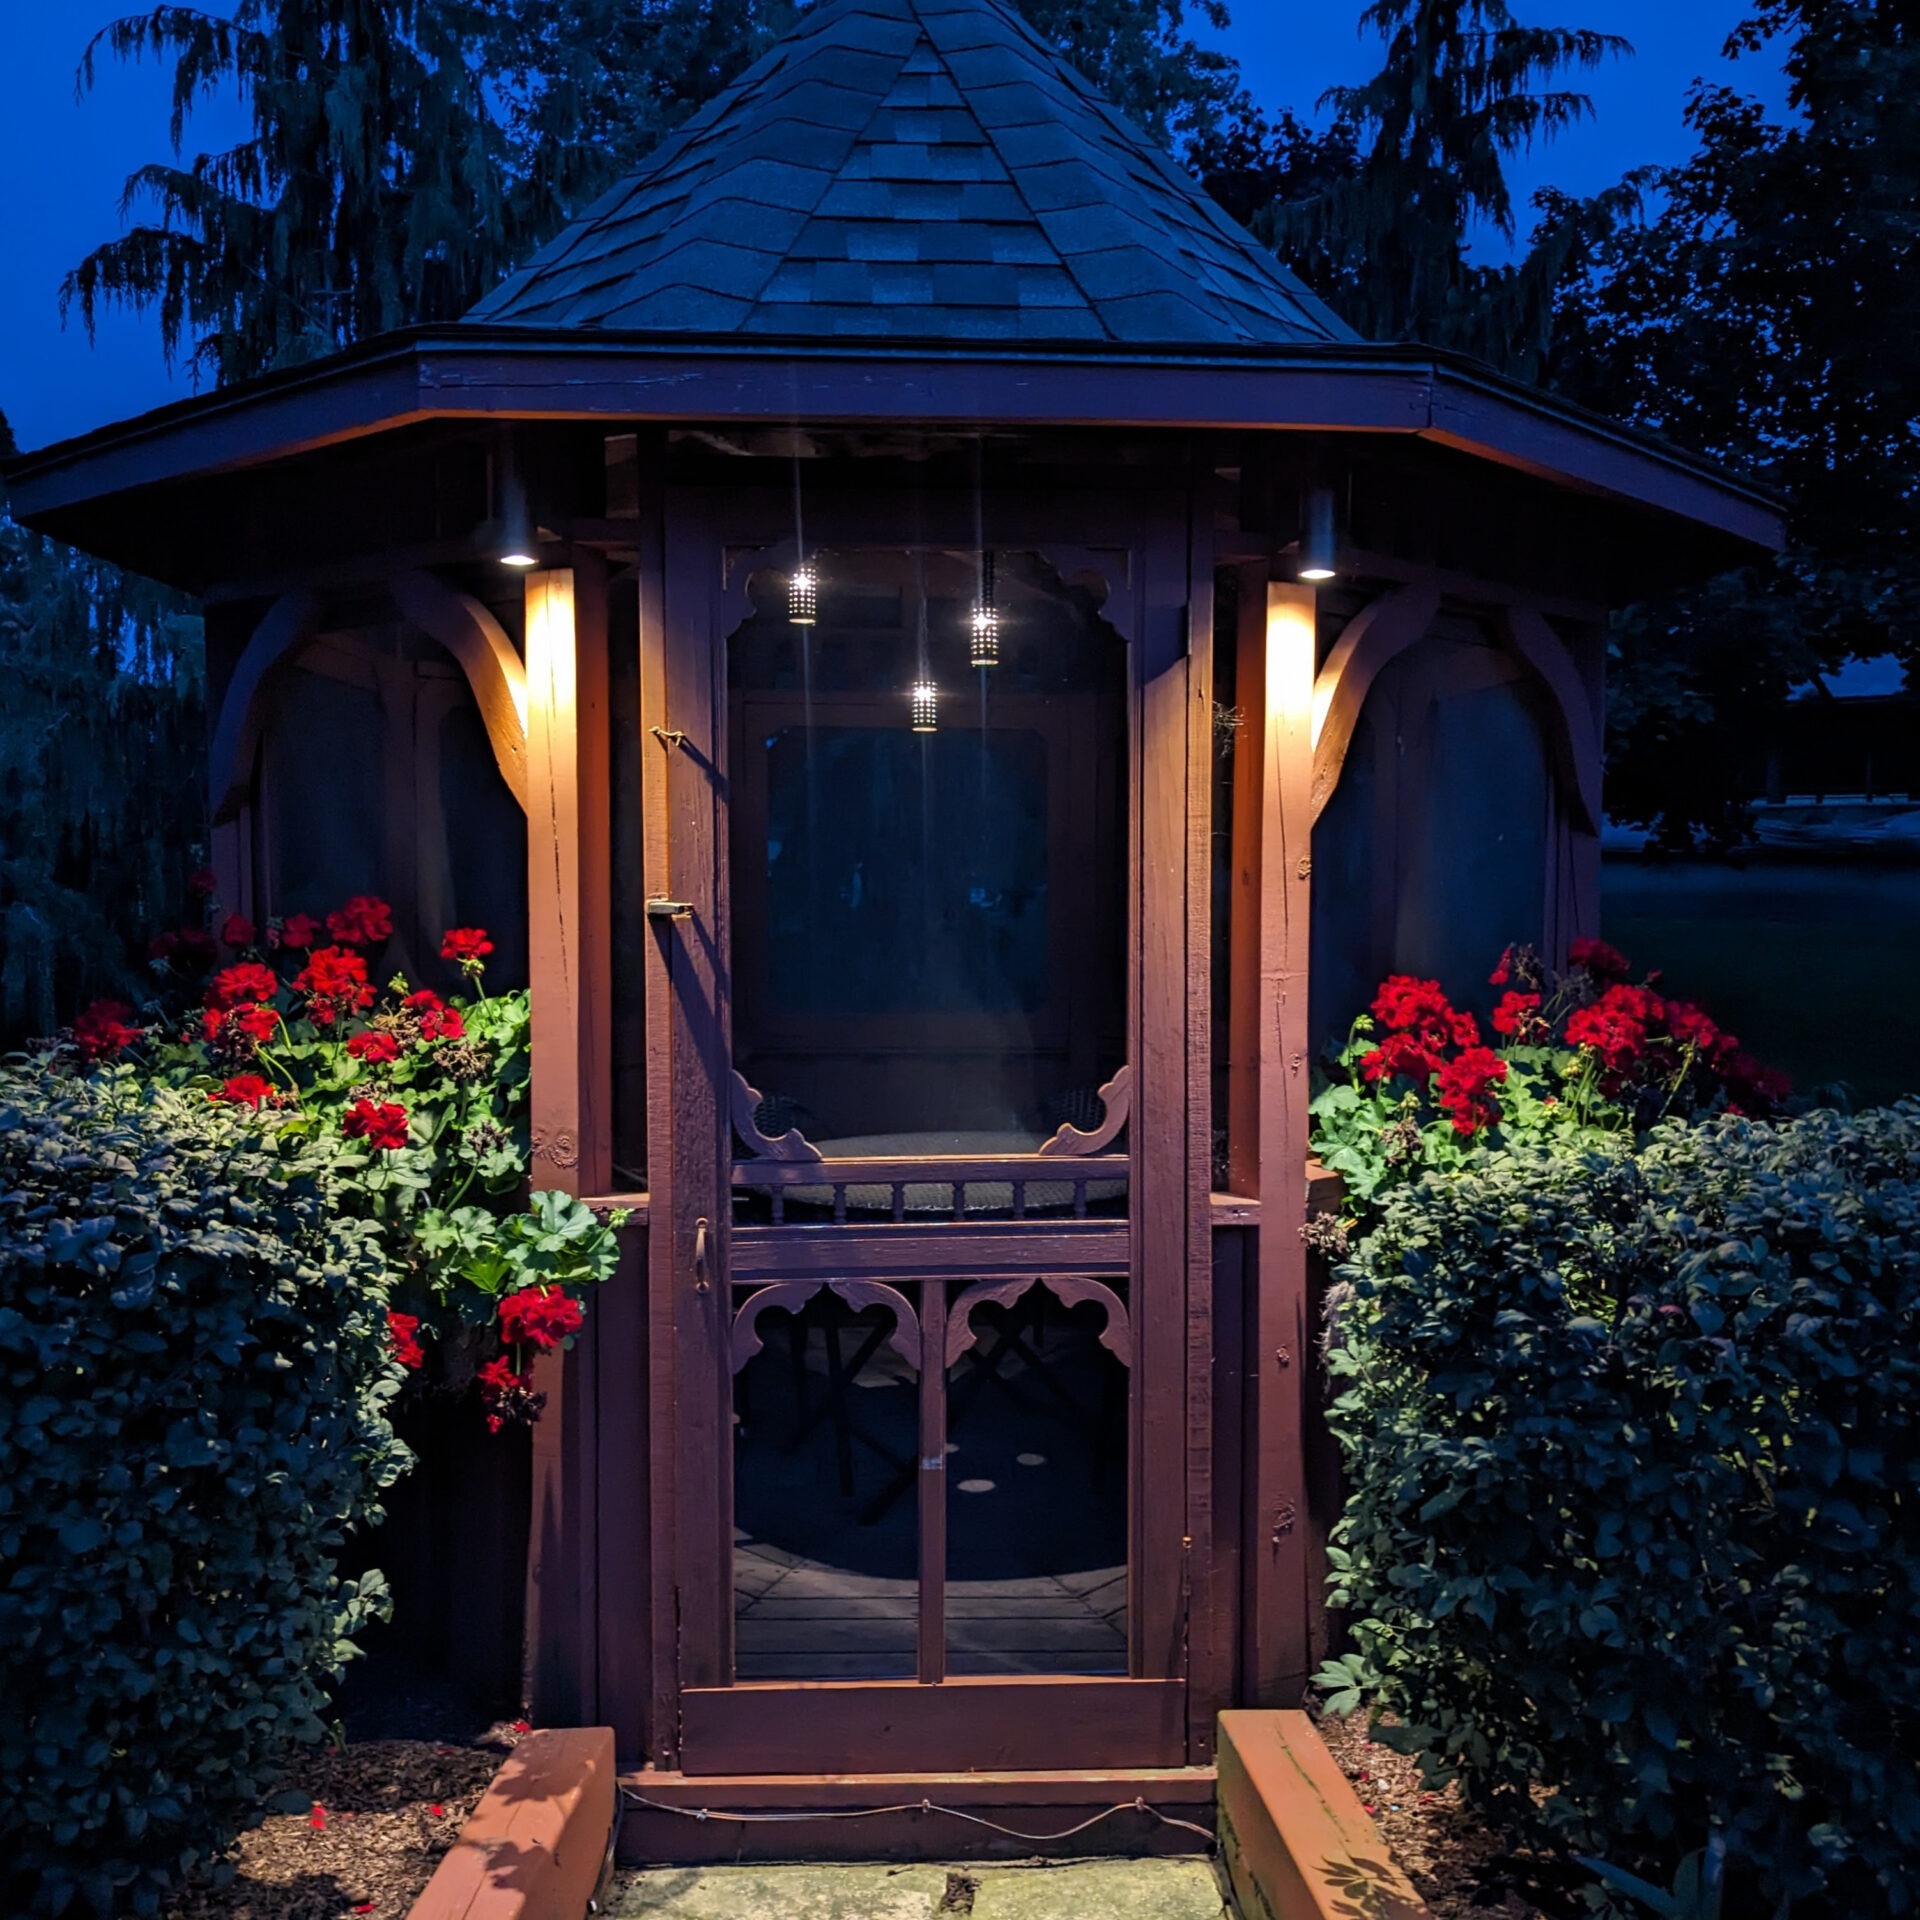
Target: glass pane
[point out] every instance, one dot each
(929, 902)
(826, 1534)
(1037, 1493)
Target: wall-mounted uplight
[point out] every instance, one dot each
(1319, 552)
(924, 706)
(984, 650)
(803, 596)
(517, 546)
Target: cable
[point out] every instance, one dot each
(916, 1806)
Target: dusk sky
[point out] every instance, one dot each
(64, 161)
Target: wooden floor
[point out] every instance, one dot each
(800, 1619)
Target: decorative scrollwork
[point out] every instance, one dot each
(1071, 1290)
(1116, 1098)
(791, 1145)
(792, 1295)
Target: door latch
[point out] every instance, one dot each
(661, 908)
(700, 1255)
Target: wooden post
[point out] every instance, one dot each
(569, 965)
(1277, 1545)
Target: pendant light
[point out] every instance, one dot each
(803, 596)
(985, 648)
(924, 706)
(517, 547)
(1319, 552)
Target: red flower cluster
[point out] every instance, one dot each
(241, 1028)
(438, 1021)
(1421, 1024)
(507, 1395)
(466, 945)
(1517, 1015)
(185, 946)
(335, 983)
(1599, 959)
(299, 930)
(104, 1031)
(362, 922)
(382, 1124)
(245, 983)
(1466, 1089)
(403, 1329)
(1636, 1033)
(203, 881)
(246, 1090)
(236, 930)
(537, 1318)
(374, 1048)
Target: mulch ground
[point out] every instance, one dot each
(386, 1804)
(1459, 1866)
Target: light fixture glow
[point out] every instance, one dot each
(1318, 549)
(803, 596)
(985, 649)
(517, 545)
(925, 700)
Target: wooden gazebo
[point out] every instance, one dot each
(965, 672)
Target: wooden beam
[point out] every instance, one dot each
(569, 966)
(1379, 633)
(288, 625)
(480, 646)
(1276, 1658)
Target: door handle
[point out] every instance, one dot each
(700, 1255)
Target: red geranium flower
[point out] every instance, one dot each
(507, 1395)
(1407, 1005)
(438, 1021)
(537, 1318)
(1401, 1056)
(1518, 1016)
(245, 1090)
(1599, 959)
(299, 930)
(376, 1048)
(468, 945)
(244, 983)
(236, 930)
(382, 1124)
(335, 983)
(403, 1329)
(361, 922)
(104, 1031)
(202, 880)
(1466, 1089)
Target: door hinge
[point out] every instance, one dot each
(660, 908)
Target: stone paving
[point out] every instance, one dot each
(1073, 1890)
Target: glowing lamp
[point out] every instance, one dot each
(803, 596)
(985, 648)
(517, 545)
(1318, 552)
(925, 699)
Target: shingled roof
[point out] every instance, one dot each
(914, 170)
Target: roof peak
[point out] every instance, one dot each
(913, 169)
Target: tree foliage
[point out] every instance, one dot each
(102, 751)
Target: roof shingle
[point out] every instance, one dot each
(913, 169)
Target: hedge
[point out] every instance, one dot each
(1633, 1441)
(194, 1379)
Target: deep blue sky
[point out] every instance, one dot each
(63, 161)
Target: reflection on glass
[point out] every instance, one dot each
(1037, 1493)
(825, 1527)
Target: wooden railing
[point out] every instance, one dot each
(1018, 1185)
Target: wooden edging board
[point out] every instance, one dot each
(1295, 1843)
(534, 1847)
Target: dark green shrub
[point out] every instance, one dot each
(1633, 1440)
(194, 1376)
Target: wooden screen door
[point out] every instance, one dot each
(924, 1505)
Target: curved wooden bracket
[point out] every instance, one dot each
(1071, 1290)
(792, 1295)
(1116, 1098)
(1573, 728)
(494, 670)
(287, 626)
(1379, 633)
(791, 1145)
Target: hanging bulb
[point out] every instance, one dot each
(985, 651)
(514, 519)
(924, 700)
(803, 596)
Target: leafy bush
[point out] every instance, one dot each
(428, 1097)
(1633, 1441)
(194, 1382)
